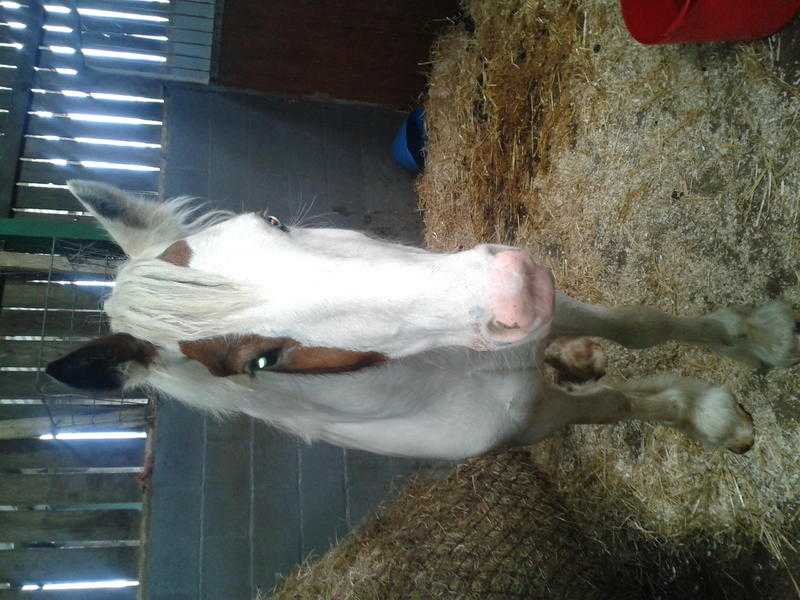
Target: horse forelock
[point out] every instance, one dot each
(163, 303)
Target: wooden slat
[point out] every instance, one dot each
(120, 594)
(70, 418)
(44, 263)
(32, 354)
(191, 62)
(50, 60)
(70, 128)
(193, 23)
(59, 103)
(129, 6)
(138, 27)
(51, 198)
(69, 526)
(56, 198)
(196, 9)
(125, 41)
(17, 117)
(188, 36)
(197, 50)
(10, 56)
(52, 565)
(100, 82)
(66, 490)
(36, 147)
(55, 412)
(35, 454)
(132, 67)
(28, 385)
(21, 293)
(47, 173)
(15, 323)
(8, 77)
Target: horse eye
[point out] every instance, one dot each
(264, 361)
(274, 221)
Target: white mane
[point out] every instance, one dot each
(163, 303)
(157, 301)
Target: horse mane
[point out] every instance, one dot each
(160, 302)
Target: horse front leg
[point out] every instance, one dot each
(709, 414)
(762, 337)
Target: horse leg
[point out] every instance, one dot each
(766, 336)
(706, 413)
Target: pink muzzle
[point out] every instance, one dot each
(521, 297)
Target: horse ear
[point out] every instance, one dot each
(135, 224)
(101, 364)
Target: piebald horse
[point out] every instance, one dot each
(333, 335)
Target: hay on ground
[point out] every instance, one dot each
(667, 176)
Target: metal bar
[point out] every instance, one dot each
(11, 142)
(40, 228)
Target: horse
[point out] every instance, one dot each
(333, 335)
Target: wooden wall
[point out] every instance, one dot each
(356, 50)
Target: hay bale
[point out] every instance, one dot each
(667, 176)
(497, 529)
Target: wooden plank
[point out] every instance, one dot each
(23, 293)
(53, 565)
(191, 62)
(113, 594)
(36, 454)
(48, 173)
(195, 9)
(125, 41)
(73, 411)
(188, 36)
(43, 263)
(129, 6)
(100, 82)
(52, 60)
(198, 50)
(50, 198)
(39, 148)
(10, 56)
(65, 490)
(131, 417)
(64, 218)
(71, 128)
(69, 526)
(57, 198)
(49, 228)
(74, 324)
(128, 67)
(278, 505)
(14, 127)
(29, 385)
(59, 103)
(193, 23)
(33, 353)
(138, 27)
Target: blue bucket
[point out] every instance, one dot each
(408, 147)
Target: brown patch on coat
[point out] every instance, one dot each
(231, 355)
(179, 254)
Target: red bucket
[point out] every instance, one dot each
(681, 21)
